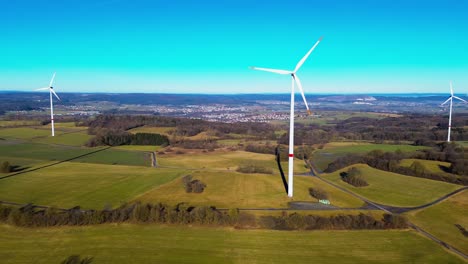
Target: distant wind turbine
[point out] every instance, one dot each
(450, 113)
(51, 91)
(294, 79)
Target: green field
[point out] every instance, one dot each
(336, 196)
(440, 220)
(332, 117)
(178, 244)
(17, 123)
(37, 151)
(117, 157)
(394, 189)
(25, 133)
(89, 185)
(225, 160)
(238, 190)
(77, 138)
(334, 150)
(22, 164)
(432, 166)
(150, 129)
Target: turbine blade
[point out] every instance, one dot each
(446, 101)
(42, 89)
(460, 99)
(271, 70)
(302, 92)
(52, 80)
(299, 64)
(451, 88)
(52, 90)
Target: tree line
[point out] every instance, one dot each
(107, 137)
(32, 216)
(297, 221)
(390, 161)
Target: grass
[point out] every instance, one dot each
(150, 129)
(224, 160)
(16, 123)
(144, 148)
(60, 153)
(364, 147)
(336, 196)
(22, 163)
(432, 166)
(78, 138)
(237, 190)
(334, 150)
(394, 189)
(41, 151)
(25, 133)
(230, 142)
(128, 243)
(88, 185)
(440, 220)
(117, 157)
(331, 117)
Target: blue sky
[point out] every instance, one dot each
(176, 46)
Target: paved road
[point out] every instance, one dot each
(400, 210)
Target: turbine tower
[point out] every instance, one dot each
(450, 111)
(51, 91)
(294, 79)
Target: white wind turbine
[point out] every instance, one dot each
(51, 91)
(450, 112)
(294, 79)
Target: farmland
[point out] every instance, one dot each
(333, 150)
(61, 172)
(237, 190)
(441, 220)
(177, 244)
(91, 186)
(394, 189)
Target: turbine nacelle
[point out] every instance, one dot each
(293, 73)
(450, 99)
(51, 91)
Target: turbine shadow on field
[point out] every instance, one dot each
(278, 161)
(55, 163)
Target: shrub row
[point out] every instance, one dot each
(32, 216)
(297, 221)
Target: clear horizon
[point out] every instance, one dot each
(369, 47)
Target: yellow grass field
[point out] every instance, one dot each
(440, 220)
(394, 189)
(237, 190)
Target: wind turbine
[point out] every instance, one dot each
(294, 79)
(51, 91)
(450, 113)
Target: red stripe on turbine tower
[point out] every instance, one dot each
(291, 155)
